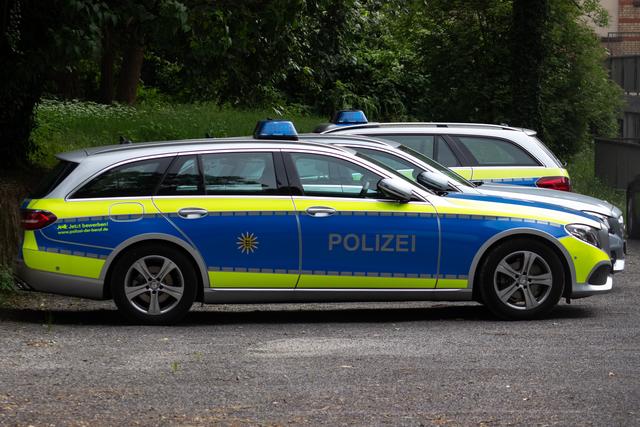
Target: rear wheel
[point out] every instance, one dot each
(521, 279)
(154, 285)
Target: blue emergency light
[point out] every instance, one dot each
(349, 117)
(275, 129)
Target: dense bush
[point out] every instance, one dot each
(444, 60)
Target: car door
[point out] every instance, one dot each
(352, 236)
(235, 209)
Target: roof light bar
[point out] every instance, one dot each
(275, 129)
(349, 117)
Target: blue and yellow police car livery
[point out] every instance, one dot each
(157, 226)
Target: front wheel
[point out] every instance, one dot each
(521, 279)
(154, 285)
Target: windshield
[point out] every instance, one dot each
(437, 166)
(393, 171)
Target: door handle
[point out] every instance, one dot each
(320, 211)
(192, 213)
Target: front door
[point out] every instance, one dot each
(233, 209)
(351, 236)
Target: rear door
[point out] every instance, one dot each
(235, 209)
(352, 237)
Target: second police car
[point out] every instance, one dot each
(157, 226)
(479, 152)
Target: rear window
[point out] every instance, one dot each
(129, 180)
(496, 152)
(52, 178)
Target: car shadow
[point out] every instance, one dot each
(452, 313)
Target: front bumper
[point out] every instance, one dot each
(617, 250)
(600, 281)
(54, 283)
(582, 290)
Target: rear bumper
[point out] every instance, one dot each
(61, 284)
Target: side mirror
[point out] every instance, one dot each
(396, 189)
(434, 180)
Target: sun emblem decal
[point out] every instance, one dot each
(247, 243)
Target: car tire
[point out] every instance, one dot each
(521, 279)
(154, 285)
(633, 210)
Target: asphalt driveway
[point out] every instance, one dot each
(73, 362)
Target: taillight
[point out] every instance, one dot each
(561, 183)
(31, 219)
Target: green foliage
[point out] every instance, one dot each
(70, 125)
(441, 60)
(582, 171)
(6, 280)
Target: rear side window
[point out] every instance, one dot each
(421, 143)
(496, 152)
(239, 174)
(129, 180)
(54, 177)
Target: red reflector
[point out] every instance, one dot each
(34, 219)
(561, 183)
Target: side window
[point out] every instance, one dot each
(326, 176)
(239, 173)
(496, 152)
(132, 179)
(445, 155)
(398, 164)
(183, 178)
(421, 143)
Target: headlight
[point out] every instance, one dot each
(585, 233)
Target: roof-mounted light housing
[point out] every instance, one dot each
(275, 129)
(349, 117)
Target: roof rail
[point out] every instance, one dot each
(429, 124)
(200, 141)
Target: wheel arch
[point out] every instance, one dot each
(190, 251)
(546, 238)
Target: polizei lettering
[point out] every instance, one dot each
(373, 242)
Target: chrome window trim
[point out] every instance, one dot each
(69, 195)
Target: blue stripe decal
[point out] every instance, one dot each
(461, 238)
(517, 202)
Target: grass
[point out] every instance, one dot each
(70, 125)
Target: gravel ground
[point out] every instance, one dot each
(73, 362)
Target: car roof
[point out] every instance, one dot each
(154, 148)
(330, 128)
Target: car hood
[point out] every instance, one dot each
(567, 199)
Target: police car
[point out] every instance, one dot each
(478, 152)
(157, 226)
(423, 170)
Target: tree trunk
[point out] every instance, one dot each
(528, 53)
(130, 72)
(106, 67)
